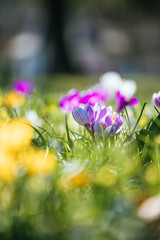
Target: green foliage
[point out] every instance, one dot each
(97, 187)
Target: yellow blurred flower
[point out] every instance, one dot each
(39, 161)
(106, 176)
(76, 179)
(7, 166)
(13, 99)
(15, 134)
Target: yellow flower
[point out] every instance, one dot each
(7, 166)
(15, 134)
(106, 176)
(13, 99)
(39, 161)
(76, 179)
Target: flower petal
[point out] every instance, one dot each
(133, 101)
(116, 131)
(103, 112)
(80, 116)
(108, 121)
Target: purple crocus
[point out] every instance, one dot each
(156, 99)
(23, 86)
(111, 123)
(88, 116)
(123, 101)
(70, 102)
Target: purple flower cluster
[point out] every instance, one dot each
(97, 118)
(156, 99)
(74, 99)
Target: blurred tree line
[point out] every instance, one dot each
(59, 11)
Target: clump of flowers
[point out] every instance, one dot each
(75, 99)
(123, 101)
(156, 99)
(96, 119)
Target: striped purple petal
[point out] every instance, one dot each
(80, 116)
(108, 120)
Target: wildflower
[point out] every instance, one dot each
(113, 82)
(23, 86)
(78, 179)
(69, 103)
(39, 161)
(75, 175)
(156, 99)
(15, 134)
(13, 99)
(111, 123)
(122, 101)
(97, 94)
(88, 116)
(7, 166)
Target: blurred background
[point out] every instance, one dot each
(83, 36)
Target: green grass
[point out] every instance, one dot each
(97, 188)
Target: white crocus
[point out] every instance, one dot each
(113, 82)
(128, 88)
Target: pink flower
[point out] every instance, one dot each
(123, 101)
(70, 102)
(74, 99)
(23, 86)
(97, 95)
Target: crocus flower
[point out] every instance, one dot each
(23, 86)
(70, 102)
(96, 94)
(88, 116)
(112, 82)
(111, 123)
(122, 101)
(156, 99)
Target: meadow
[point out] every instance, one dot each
(83, 164)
